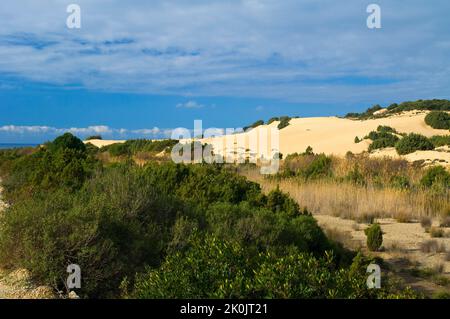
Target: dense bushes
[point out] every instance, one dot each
(94, 137)
(112, 227)
(383, 137)
(186, 230)
(254, 125)
(413, 142)
(65, 162)
(211, 268)
(127, 218)
(438, 120)
(284, 122)
(374, 237)
(430, 105)
(364, 115)
(440, 140)
(436, 175)
(423, 105)
(132, 147)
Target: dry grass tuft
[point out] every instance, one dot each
(436, 232)
(432, 246)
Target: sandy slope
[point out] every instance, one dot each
(101, 143)
(333, 135)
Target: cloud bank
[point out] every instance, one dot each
(298, 51)
(37, 133)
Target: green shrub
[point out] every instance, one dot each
(440, 140)
(383, 142)
(400, 181)
(273, 119)
(357, 140)
(374, 237)
(254, 125)
(430, 105)
(277, 201)
(436, 175)
(385, 129)
(111, 228)
(203, 271)
(438, 120)
(65, 162)
(94, 137)
(308, 151)
(413, 142)
(66, 141)
(319, 167)
(355, 177)
(284, 122)
(119, 149)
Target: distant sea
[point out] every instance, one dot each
(8, 145)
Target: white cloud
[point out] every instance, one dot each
(190, 105)
(291, 50)
(38, 131)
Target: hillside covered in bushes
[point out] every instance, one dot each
(164, 230)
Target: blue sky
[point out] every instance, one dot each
(140, 68)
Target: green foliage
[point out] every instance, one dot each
(277, 201)
(94, 137)
(308, 151)
(132, 147)
(440, 140)
(319, 167)
(273, 119)
(357, 140)
(284, 122)
(385, 129)
(113, 226)
(367, 114)
(355, 177)
(66, 141)
(254, 125)
(436, 175)
(212, 268)
(65, 162)
(438, 120)
(413, 142)
(430, 105)
(118, 149)
(186, 230)
(382, 140)
(400, 182)
(374, 237)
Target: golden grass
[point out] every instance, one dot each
(357, 202)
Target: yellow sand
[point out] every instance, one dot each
(101, 143)
(333, 135)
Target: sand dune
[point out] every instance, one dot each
(101, 143)
(335, 136)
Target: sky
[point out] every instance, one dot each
(137, 69)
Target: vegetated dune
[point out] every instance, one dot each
(336, 136)
(101, 143)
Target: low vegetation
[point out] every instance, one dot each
(167, 230)
(374, 237)
(438, 120)
(420, 105)
(413, 142)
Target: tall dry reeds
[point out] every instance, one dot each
(360, 202)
